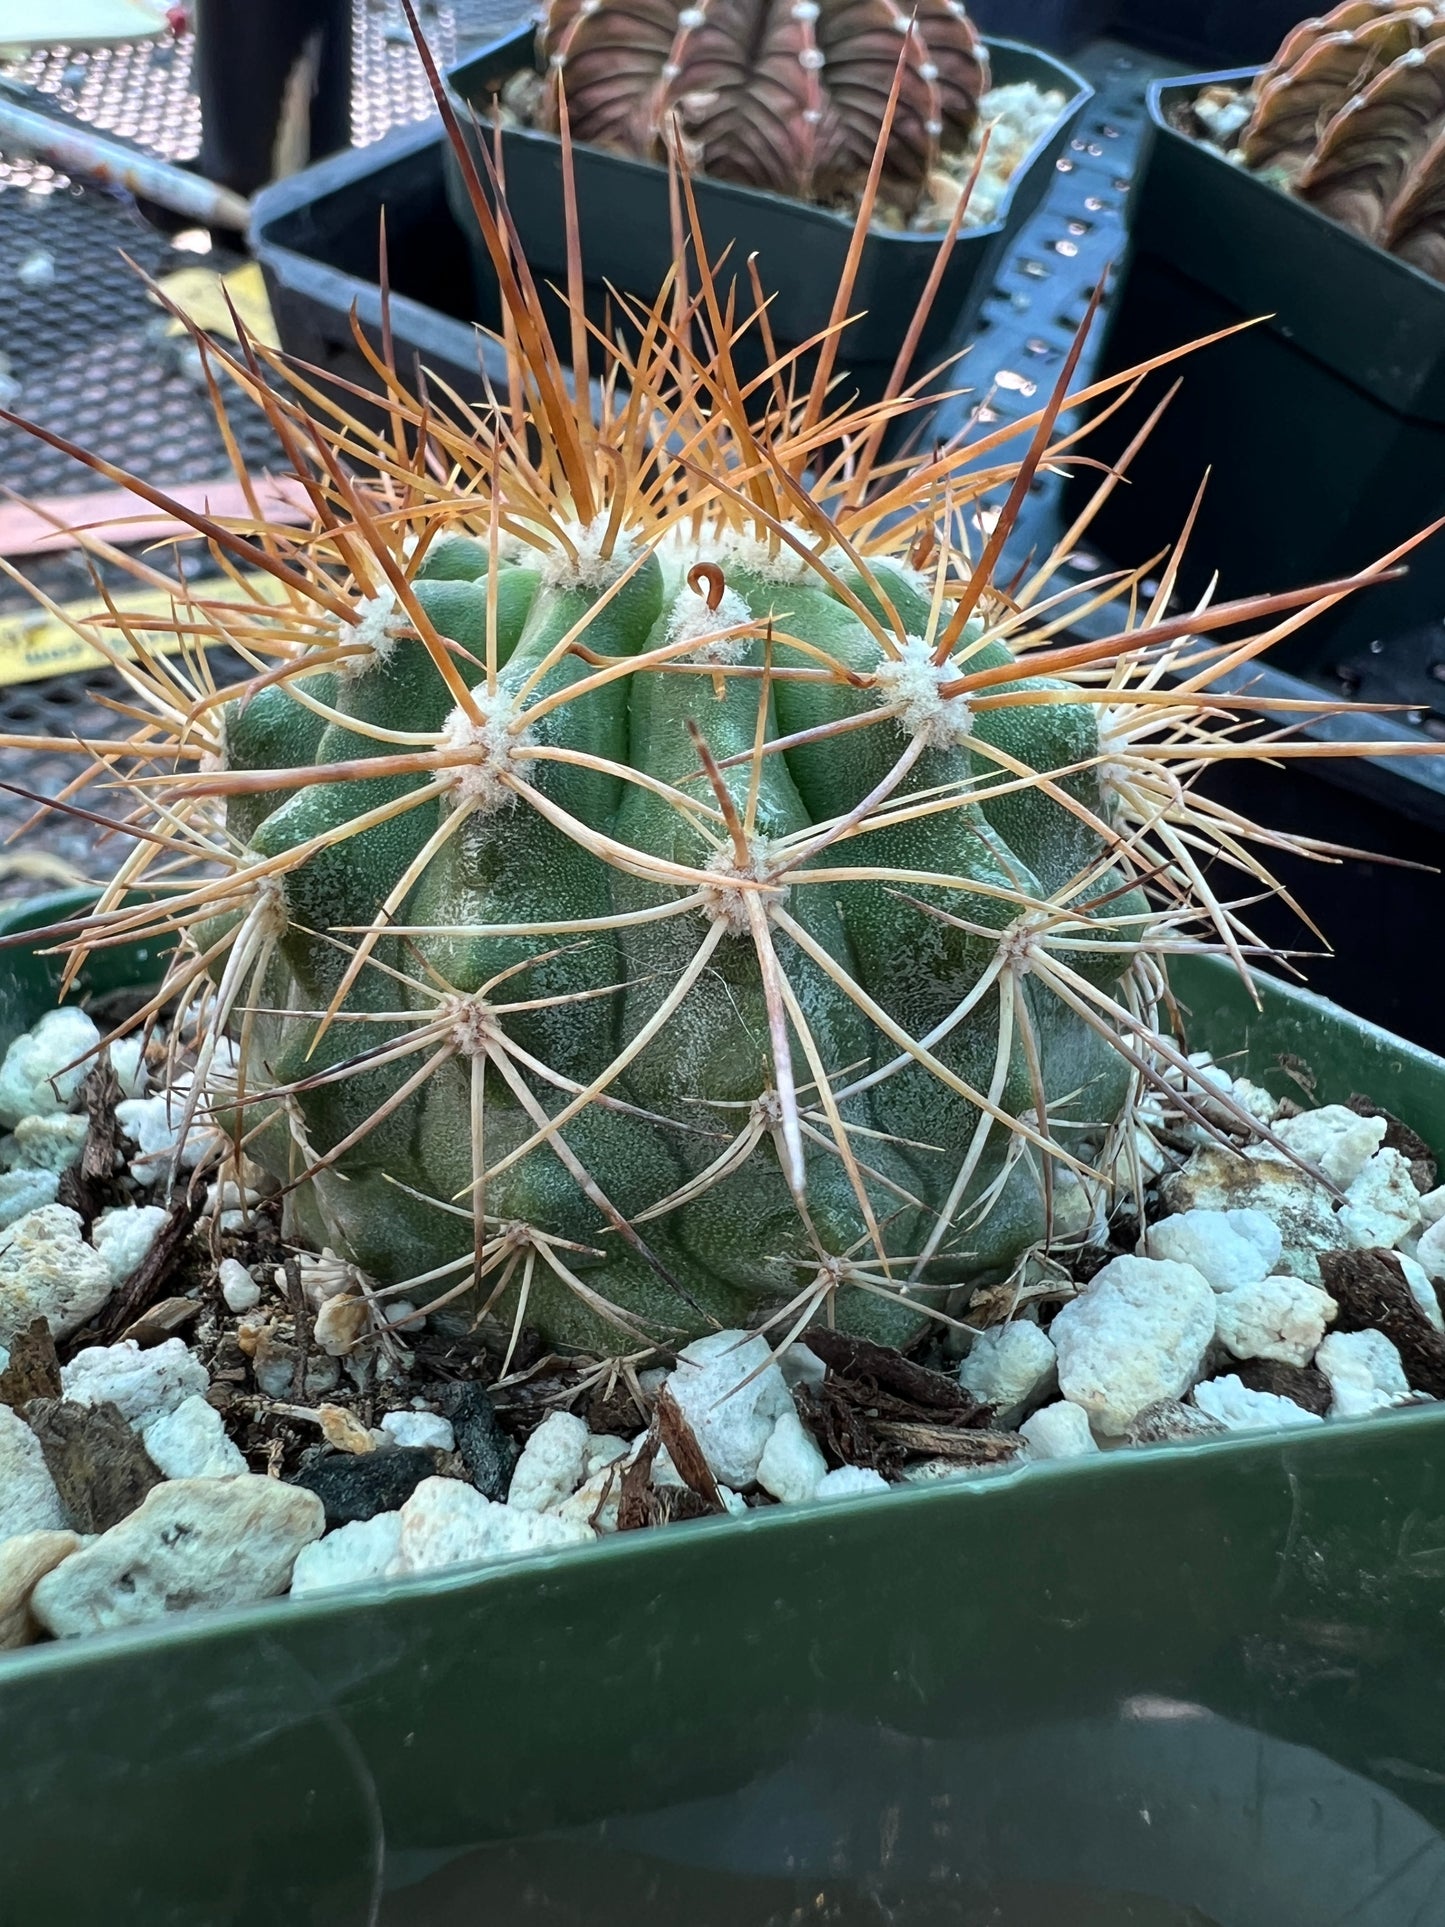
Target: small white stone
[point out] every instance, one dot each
(191, 1443)
(1365, 1373)
(1059, 1431)
(1007, 1365)
(29, 1501)
(34, 1080)
(23, 1190)
(1430, 1251)
(847, 1481)
(1279, 1318)
(1292, 1199)
(1136, 1335)
(552, 1465)
(1432, 1205)
(155, 1125)
(124, 1235)
(1231, 1403)
(597, 1501)
(1382, 1204)
(446, 1523)
(603, 1449)
(359, 1554)
(238, 1287)
(1227, 1248)
(127, 1060)
(731, 1393)
(800, 1366)
(47, 1270)
(1255, 1099)
(49, 1143)
(144, 1385)
(1422, 1290)
(792, 1467)
(24, 1561)
(191, 1543)
(428, 1429)
(1336, 1141)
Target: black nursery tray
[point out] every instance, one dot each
(316, 237)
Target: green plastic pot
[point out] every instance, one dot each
(1189, 1687)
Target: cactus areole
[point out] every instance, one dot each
(651, 877)
(789, 95)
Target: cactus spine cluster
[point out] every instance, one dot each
(783, 94)
(1350, 115)
(652, 878)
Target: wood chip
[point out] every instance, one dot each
(947, 1442)
(162, 1321)
(34, 1368)
(683, 1449)
(1369, 1288)
(100, 1467)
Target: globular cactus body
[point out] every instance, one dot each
(781, 94)
(535, 923)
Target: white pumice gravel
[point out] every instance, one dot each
(155, 1123)
(44, 1068)
(47, 1270)
(1422, 1290)
(731, 1393)
(427, 1429)
(1009, 1365)
(1227, 1248)
(1137, 1334)
(1278, 1318)
(1364, 1372)
(29, 1501)
(191, 1443)
(358, 1554)
(22, 1190)
(48, 1143)
(1337, 1142)
(143, 1384)
(1232, 1404)
(446, 1523)
(191, 1542)
(124, 1235)
(1059, 1431)
(1381, 1204)
(552, 1466)
(238, 1287)
(1430, 1249)
(792, 1467)
(848, 1481)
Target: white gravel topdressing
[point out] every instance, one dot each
(1220, 1324)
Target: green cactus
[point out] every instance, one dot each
(651, 876)
(743, 990)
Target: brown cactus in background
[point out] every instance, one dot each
(1351, 115)
(782, 94)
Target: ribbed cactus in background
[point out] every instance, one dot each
(1351, 117)
(651, 875)
(781, 94)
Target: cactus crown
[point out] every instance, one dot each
(783, 94)
(1351, 116)
(652, 876)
